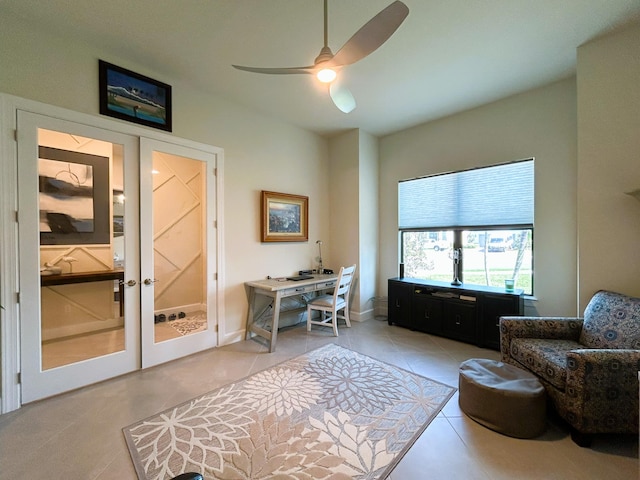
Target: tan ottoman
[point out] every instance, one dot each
(502, 397)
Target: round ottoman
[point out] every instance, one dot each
(502, 397)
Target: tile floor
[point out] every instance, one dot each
(78, 435)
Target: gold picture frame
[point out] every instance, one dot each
(285, 217)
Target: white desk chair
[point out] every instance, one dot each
(332, 304)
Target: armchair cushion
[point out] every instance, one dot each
(546, 358)
(611, 320)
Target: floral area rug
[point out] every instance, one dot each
(328, 414)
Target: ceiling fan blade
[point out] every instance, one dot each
(372, 35)
(342, 97)
(277, 71)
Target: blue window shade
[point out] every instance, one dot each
(500, 195)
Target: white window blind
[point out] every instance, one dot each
(491, 196)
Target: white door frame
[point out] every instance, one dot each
(10, 398)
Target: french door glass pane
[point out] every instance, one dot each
(80, 186)
(179, 246)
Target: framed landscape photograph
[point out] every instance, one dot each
(285, 217)
(130, 96)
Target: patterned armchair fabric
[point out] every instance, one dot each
(589, 366)
(611, 320)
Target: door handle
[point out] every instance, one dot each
(148, 281)
(130, 283)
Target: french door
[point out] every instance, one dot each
(178, 251)
(79, 294)
(115, 268)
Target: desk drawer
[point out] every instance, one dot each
(298, 290)
(308, 288)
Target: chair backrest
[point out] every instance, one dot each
(343, 284)
(611, 320)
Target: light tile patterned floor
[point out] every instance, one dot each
(78, 435)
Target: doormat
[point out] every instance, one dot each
(193, 323)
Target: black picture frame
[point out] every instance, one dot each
(61, 222)
(133, 97)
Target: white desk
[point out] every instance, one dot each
(279, 289)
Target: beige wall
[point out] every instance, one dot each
(609, 164)
(261, 153)
(354, 213)
(368, 224)
(343, 190)
(541, 124)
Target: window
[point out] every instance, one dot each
(484, 214)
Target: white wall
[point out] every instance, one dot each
(541, 124)
(609, 164)
(261, 153)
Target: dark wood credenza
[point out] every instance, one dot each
(84, 277)
(468, 313)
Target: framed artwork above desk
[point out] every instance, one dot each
(285, 217)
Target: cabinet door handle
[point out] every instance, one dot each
(457, 319)
(397, 303)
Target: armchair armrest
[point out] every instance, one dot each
(602, 389)
(555, 328)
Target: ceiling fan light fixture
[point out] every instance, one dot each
(371, 36)
(326, 75)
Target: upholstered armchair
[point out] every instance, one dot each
(589, 365)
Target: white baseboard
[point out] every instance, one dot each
(362, 316)
(194, 307)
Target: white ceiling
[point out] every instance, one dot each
(448, 55)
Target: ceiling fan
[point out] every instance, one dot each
(365, 41)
